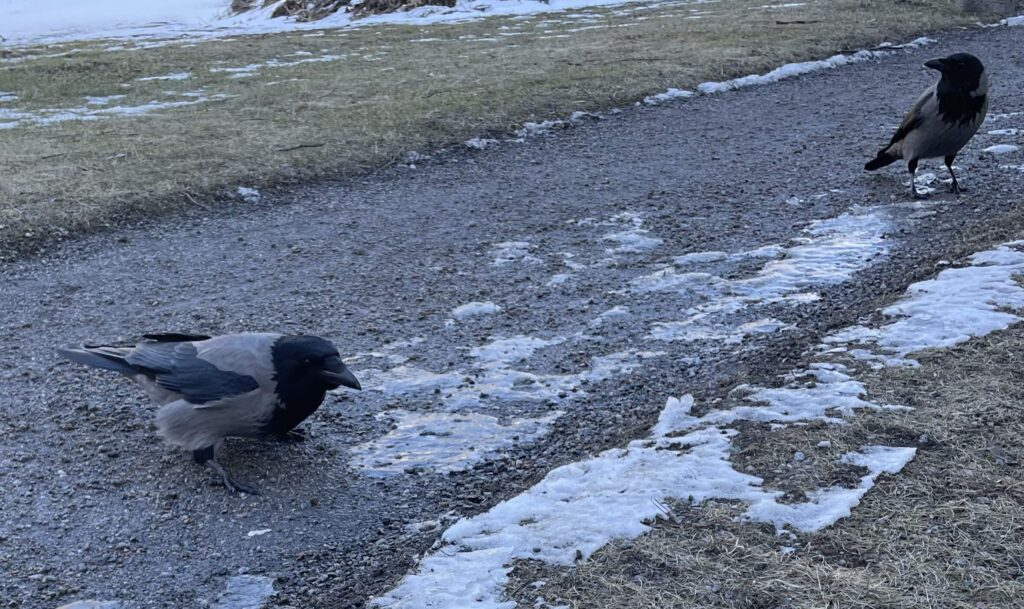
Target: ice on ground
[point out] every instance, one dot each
(245, 592)
(632, 241)
(957, 305)
(831, 251)
(173, 76)
(615, 313)
(513, 251)
(699, 328)
(442, 442)
(251, 195)
(699, 258)
(494, 378)
(257, 532)
(504, 351)
(475, 308)
(1000, 149)
(829, 505)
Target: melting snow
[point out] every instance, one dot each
(251, 195)
(829, 505)
(513, 251)
(174, 76)
(473, 309)
(694, 329)
(245, 592)
(442, 442)
(957, 305)
(1000, 149)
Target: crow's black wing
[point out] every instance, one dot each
(177, 367)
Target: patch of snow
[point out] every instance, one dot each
(957, 305)
(1013, 21)
(1000, 149)
(559, 278)
(472, 309)
(478, 143)
(699, 257)
(830, 253)
(992, 132)
(245, 592)
(632, 241)
(513, 251)
(614, 313)
(257, 532)
(103, 101)
(670, 94)
(696, 328)
(51, 116)
(494, 378)
(826, 506)
(788, 70)
(578, 508)
(442, 442)
(7, 97)
(173, 76)
(254, 68)
(510, 350)
(250, 195)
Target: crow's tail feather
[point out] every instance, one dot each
(107, 358)
(883, 159)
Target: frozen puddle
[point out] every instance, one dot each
(442, 442)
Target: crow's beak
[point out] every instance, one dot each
(345, 377)
(936, 64)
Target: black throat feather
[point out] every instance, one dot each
(299, 390)
(956, 104)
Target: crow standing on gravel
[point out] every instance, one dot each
(944, 118)
(240, 385)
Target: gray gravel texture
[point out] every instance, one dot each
(96, 507)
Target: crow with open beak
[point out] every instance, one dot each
(238, 385)
(942, 120)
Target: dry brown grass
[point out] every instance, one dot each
(947, 532)
(398, 89)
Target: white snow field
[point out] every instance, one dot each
(51, 21)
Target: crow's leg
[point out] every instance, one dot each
(205, 456)
(955, 186)
(293, 436)
(912, 168)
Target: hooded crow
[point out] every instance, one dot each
(943, 119)
(239, 385)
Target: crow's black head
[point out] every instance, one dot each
(305, 369)
(961, 70)
(309, 361)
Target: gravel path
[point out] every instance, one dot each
(97, 508)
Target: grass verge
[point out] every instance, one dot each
(944, 533)
(265, 110)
